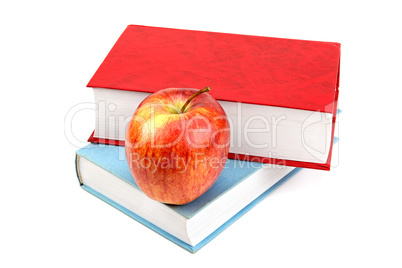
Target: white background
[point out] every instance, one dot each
(348, 217)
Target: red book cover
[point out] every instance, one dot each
(259, 70)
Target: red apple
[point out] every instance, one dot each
(177, 144)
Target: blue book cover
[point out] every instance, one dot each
(111, 159)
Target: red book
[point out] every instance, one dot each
(283, 90)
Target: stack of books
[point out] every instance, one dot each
(280, 96)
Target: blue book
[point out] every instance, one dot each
(102, 170)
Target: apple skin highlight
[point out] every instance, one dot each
(177, 156)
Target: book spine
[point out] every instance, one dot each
(77, 169)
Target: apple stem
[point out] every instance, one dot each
(206, 89)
